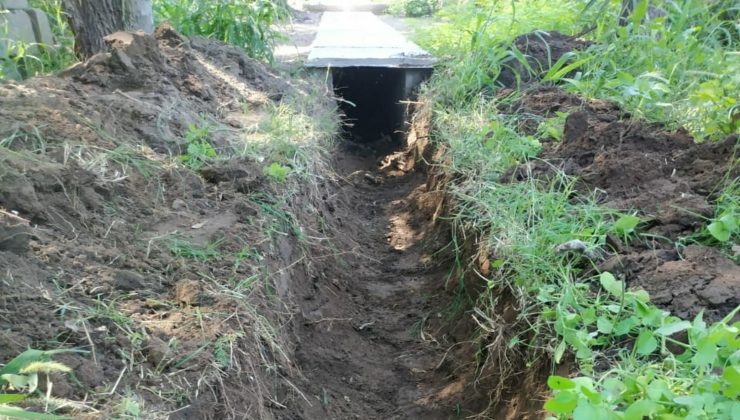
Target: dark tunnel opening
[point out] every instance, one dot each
(372, 100)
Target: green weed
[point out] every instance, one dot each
(635, 65)
(244, 23)
(184, 249)
(701, 382)
(624, 346)
(22, 376)
(277, 172)
(199, 149)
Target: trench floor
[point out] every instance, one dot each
(363, 345)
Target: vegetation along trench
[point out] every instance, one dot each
(195, 226)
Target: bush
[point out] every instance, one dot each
(414, 8)
(244, 23)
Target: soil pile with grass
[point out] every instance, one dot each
(109, 243)
(672, 183)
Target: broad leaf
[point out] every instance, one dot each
(626, 224)
(731, 375)
(673, 328)
(563, 403)
(646, 343)
(604, 325)
(558, 383)
(10, 398)
(18, 413)
(586, 411)
(611, 285)
(706, 353)
(719, 230)
(640, 409)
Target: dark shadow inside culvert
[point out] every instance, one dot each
(373, 100)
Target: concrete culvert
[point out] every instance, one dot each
(374, 70)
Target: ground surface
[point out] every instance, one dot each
(362, 344)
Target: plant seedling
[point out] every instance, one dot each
(277, 172)
(723, 227)
(625, 225)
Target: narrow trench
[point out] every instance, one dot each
(360, 345)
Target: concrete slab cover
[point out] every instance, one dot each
(360, 39)
(13, 4)
(41, 27)
(16, 26)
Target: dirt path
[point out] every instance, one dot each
(361, 345)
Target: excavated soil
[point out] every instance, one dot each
(663, 175)
(164, 275)
(361, 334)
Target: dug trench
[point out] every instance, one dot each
(318, 287)
(165, 215)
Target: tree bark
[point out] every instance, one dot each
(92, 20)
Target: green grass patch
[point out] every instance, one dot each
(632, 359)
(244, 23)
(636, 65)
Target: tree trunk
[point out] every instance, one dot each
(92, 20)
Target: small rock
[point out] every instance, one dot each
(156, 350)
(178, 204)
(127, 281)
(373, 180)
(89, 374)
(245, 209)
(15, 238)
(187, 292)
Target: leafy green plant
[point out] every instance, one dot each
(625, 348)
(703, 381)
(244, 23)
(625, 225)
(22, 375)
(414, 8)
(277, 172)
(635, 65)
(199, 148)
(552, 127)
(725, 226)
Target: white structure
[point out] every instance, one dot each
(360, 39)
(373, 68)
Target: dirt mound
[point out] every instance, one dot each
(666, 177)
(541, 50)
(109, 244)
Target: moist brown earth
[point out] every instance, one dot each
(672, 183)
(106, 245)
(361, 337)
